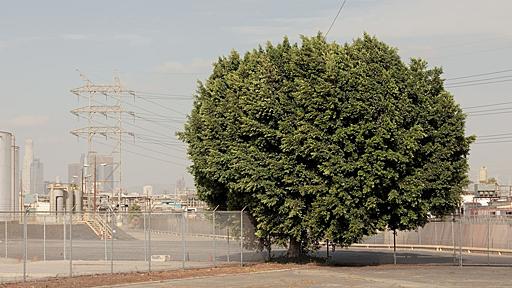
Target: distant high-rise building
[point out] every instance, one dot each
(180, 185)
(37, 177)
(75, 173)
(483, 175)
(147, 190)
(27, 163)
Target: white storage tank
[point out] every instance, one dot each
(17, 187)
(58, 194)
(5, 171)
(78, 200)
(69, 200)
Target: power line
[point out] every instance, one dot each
(143, 155)
(493, 142)
(477, 84)
(486, 105)
(162, 94)
(152, 115)
(149, 112)
(158, 122)
(156, 141)
(480, 139)
(480, 80)
(165, 145)
(162, 106)
(481, 74)
(165, 141)
(335, 18)
(491, 113)
(494, 135)
(155, 151)
(489, 110)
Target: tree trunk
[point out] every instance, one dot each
(269, 248)
(327, 249)
(294, 249)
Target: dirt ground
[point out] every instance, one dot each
(122, 278)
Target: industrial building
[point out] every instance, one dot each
(487, 197)
(65, 198)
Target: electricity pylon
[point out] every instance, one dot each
(112, 131)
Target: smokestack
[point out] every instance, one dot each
(27, 162)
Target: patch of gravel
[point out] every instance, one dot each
(136, 277)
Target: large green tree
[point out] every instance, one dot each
(327, 141)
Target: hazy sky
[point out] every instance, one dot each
(166, 46)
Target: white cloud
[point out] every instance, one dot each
(28, 121)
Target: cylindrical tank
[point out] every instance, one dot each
(17, 186)
(69, 201)
(78, 200)
(58, 194)
(482, 175)
(5, 171)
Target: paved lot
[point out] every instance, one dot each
(369, 276)
(88, 258)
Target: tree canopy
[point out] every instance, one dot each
(327, 141)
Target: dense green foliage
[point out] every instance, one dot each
(322, 140)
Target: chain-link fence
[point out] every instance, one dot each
(482, 240)
(43, 244)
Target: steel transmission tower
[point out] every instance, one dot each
(112, 131)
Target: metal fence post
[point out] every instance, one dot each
(70, 244)
(460, 241)
(149, 242)
(5, 242)
(112, 219)
(435, 233)
(64, 236)
(242, 237)
(44, 238)
(25, 246)
(394, 246)
(105, 233)
(214, 238)
(229, 252)
(145, 237)
(183, 239)
(488, 240)
(470, 228)
(453, 240)
(508, 234)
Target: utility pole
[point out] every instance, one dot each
(112, 110)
